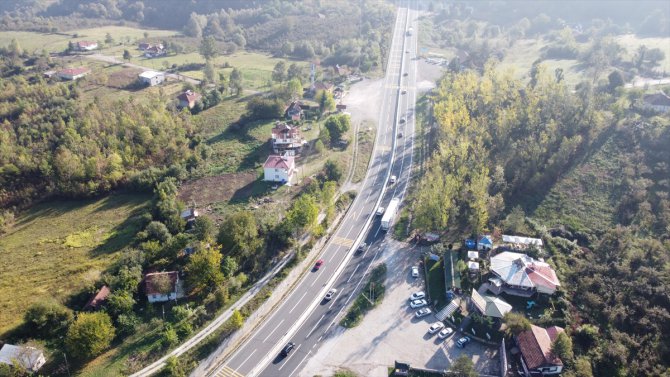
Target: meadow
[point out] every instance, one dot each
(59, 247)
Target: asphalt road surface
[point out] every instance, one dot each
(305, 318)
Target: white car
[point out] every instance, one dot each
(417, 296)
(418, 304)
(330, 294)
(445, 332)
(435, 327)
(393, 179)
(380, 211)
(423, 312)
(415, 271)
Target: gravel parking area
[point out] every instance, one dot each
(391, 332)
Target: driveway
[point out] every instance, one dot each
(391, 332)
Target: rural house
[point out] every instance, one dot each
(151, 78)
(155, 51)
(86, 45)
(286, 139)
(162, 286)
(279, 169)
(72, 74)
(98, 299)
(535, 347)
(188, 99)
(29, 358)
(293, 111)
(520, 275)
(657, 102)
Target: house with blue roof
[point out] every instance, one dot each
(484, 243)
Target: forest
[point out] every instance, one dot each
(500, 145)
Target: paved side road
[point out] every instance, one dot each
(114, 60)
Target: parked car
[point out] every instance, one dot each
(287, 349)
(318, 264)
(330, 294)
(380, 211)
(423, 312)
(415, 271)
(435, 327)
(445, 332)
(418, 304)
(417, 295)
(463, 341)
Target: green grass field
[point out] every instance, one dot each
(31, 41)
(59, 247)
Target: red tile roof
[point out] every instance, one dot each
(278, 162)
(189, 96)
(99, 298)
(74, 71)
(150, 281)
(535, 346)
(86, 43)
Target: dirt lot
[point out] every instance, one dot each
(392, 332)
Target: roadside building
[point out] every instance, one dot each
(279, 169)
(72, 74)
(151, 78)
(520, 275)
(536, 355)
(29, 358)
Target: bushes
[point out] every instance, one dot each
(364, 302)
(89, 335)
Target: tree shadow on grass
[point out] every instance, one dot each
(254, 188)
(122, 234)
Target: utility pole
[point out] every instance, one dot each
(67, 367)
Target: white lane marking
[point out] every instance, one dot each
(297, 303)
(300, 363)
(290, 356)
(273, 330)
(247, 359)
(315, 326)
(353, 273)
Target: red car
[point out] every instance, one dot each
(318, 264)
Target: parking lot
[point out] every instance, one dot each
(392, 332)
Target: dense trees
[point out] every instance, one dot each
(47, 319)
(89, 335)
(337, 126)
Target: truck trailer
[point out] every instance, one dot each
(389, 215)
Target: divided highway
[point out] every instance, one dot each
(304, 318)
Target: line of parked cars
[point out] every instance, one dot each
(418, 300)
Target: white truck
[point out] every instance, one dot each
(389, 215)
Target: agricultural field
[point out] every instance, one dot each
(60, 247)
(55, 42)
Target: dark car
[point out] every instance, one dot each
(361, 248)
(287, 349)
(404, 74)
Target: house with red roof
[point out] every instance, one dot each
(72, 74)
(98, 299)
(520, 275)
(286, 139)
(293, 111)
(188, 99)
(86, 45)
(279, 168)
(535, 346)
(163, 286)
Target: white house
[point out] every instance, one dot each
(520, 275)
(86, 45)
(162, 286)
(29, 358)
(519, 241)
(71, 74)
(279, 169)
(152, 78)
(535, 347)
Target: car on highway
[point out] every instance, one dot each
(406, 51)
(417, 295)
(435, 327)
(318, 264)
(415, 271)
(393, 179)
(463, 341)
(445, 332)
(403, 92)
(422, 313)
(287, 349)
(330, 294)
(404, 74)
(361, 248)
(380, 211)
(418, 304)
(400, 134)
(402, 120)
